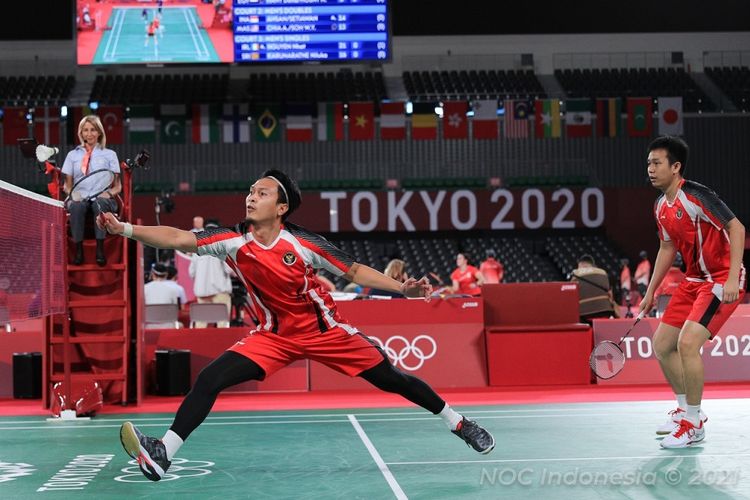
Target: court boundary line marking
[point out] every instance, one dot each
(278, 420)
(114, 417)
(395, 487)
(116, 36)
(108, 53)
(194, 16)
(201, 54)
(665, 454)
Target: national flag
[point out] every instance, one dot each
(455, 123)
(113, 121)
(75, 115)
(670, 116)
(484, 124)
(608, 117)
(424, 121)
(547, 121)
(142, 127)
(330, 121)
(173, 126)
(267, 126)
(578, 118)
(361, 118)
(15, 125)
(299, 127)
(516, 119)
(47, 125)
(640, 117)
(236, 128)
(392, 120)
(205, 123)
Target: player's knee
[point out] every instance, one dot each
(206, 383)
(663, 347)
(689, 345)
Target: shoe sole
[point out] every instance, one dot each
(488, 450)
(686, 445)
(132, 447)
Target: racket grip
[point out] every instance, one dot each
(641, 315)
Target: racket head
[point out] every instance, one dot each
(606, 360)
(92, 185)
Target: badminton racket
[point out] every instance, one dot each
(90, 186)
(608, 359)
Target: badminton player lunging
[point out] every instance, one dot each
(693, 220)
(277, 261)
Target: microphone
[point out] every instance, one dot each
(44, 153)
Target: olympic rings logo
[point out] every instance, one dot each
(410, 355)
(181, 467)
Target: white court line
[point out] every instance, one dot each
(363, 418)
(61, 425)
(572, 459)
(104, 418)
(194, 18)
(116, 36)
(378, 459)
(111, 35)
(192, 34)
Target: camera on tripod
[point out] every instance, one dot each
(140, 161)
(164, 201)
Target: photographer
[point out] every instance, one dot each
(594, 291)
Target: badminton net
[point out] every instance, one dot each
(31, 255)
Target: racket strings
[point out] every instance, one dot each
(92, 185)
(607, 359)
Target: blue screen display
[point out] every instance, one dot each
(298, 31)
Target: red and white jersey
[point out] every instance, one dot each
(285, 294)
(467, 280)
(695, 222)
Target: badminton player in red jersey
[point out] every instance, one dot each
(693, 220)
(277, 261)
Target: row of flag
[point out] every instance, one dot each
(231, 123)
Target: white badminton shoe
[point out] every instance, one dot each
(686, 434)
(673, 422)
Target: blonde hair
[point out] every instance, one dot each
(395, 269)
(97, 123)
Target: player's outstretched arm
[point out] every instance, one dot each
(369, 277)
(155, 236)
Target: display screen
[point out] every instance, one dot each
(231, 31)
(310, 30)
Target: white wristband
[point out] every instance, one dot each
(127, 230)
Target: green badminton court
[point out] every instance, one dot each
(581, 451)
(179, 38)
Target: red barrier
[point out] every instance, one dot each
(533, 334)
(205, 344)
(725, 359)
(441, 342)
(28, 336)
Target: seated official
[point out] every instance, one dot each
(594, 290)
(88, 157)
